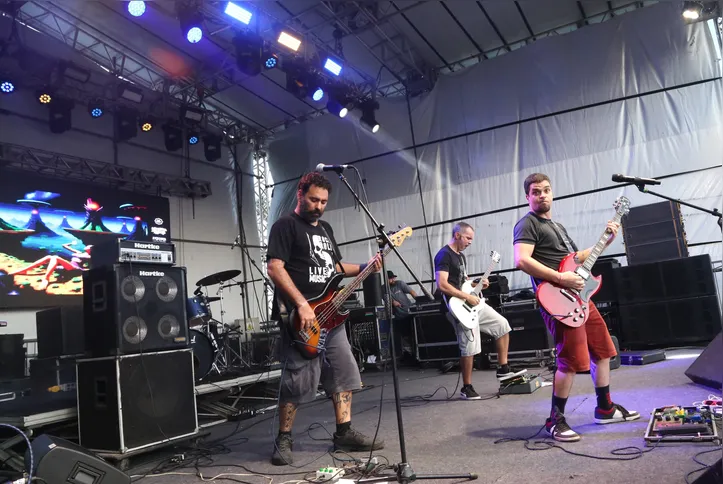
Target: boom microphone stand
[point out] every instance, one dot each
(404, 473)
(714, 212)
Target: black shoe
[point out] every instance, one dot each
(468, 393)
(616, 413)
(504, 372)
(283, 446)
(557, 428)
(355, 441)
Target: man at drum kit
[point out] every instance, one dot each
(302, 257)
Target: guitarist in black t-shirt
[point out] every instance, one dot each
(302, 257)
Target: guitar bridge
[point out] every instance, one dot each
(565, 293)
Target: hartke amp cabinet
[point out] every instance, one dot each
(130, 402)
(134, 308)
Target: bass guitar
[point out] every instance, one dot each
(467, 315)
(570, 306)
(327, 306)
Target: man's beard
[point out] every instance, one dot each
(311, 215)
(542, 209)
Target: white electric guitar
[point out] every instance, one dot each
(464, 313)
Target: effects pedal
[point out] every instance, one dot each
(329, 474)
(521, 384)
(682, 424)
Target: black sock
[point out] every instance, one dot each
(284, 433)
(342, 428)
(558, 404)
(603, 397)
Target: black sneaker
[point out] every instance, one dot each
(468, 393)
(355, 441)
(504, 372)
(557, 428)
(616, 414)
(283, 446)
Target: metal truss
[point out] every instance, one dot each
(262, 196)
(120, 61)
(73, 168)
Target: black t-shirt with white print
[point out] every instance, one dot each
(309, 251)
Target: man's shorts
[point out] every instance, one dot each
(489, 322)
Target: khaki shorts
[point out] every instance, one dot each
(490, 322)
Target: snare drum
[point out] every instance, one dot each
(197, 311)
(204, 353)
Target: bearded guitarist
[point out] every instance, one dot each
(540, 245)
(302, 257)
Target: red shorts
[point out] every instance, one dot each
(575, 346)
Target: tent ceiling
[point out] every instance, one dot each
(384, 44)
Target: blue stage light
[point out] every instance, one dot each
(332, 67)
(318, 94)
(194, 35)
(96, 112)
(136, 8)
(7, 87)
(240, 14)
(193, 140)
(271, 62)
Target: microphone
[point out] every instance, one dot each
(236, 242)
(633, 179)
(335, 168)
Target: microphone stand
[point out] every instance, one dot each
(404, 471)
(714, 212)
(267, 282)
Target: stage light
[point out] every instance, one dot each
(95, 110)
(60, 117)
(289, 41)
(368, 119)
(172, 137)
(191, 27)
(74, 72)
(272, 60)
(43, 96)
(249, 52)
(336, 108)
(6, 87)
(240, 14)
(691, 10)
(136, 8)
(318, 94)
(130, 93)
(700, 11)
(193, 139)
(145, 123)
(193, 114)
(332, 67)
(126, 124)
(212, 147)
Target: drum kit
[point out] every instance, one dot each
(212, 340)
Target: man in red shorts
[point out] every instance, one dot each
(540, 246)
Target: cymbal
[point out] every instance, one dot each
(219, 277)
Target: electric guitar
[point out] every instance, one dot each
(327, 306)
(570, 306)
(468, 316)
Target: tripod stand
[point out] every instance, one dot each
(404, 471)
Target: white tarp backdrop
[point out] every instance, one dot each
(639, 94)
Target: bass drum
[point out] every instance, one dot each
(204, 353)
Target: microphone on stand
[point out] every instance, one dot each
(635, 180)
(321, 167)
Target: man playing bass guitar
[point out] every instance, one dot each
(302, 257)
(540, 246)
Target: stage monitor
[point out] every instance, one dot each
(48, 228)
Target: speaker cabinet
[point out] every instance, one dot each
(60, 331)
(528, 331)
(134, 308)
(670, 323)
(12, 356)
(707, 369)
(372, 287)
(57, 460)
(608, 291)
(134, 401)
(713, 475)
(654, 233)
(435, 337)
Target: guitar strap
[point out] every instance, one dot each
(561, 233)
(333, 250)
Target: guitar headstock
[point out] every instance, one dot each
(495, 256)
(622, 206)
(398, 237)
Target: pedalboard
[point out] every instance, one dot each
(521, 385)
(682, 424)
(135, 252)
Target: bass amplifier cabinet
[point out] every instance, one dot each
(131, 402)
(60, 331)
(134, 308)
(57, 460)
(654, 233)
(435, 337)
(528, 330)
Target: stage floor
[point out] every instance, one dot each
(458, 436)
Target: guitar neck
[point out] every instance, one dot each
(600, 246)
(478, 289)
(347, 291)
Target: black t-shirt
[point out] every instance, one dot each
(453, 263)
(549, 246)
(310, 253)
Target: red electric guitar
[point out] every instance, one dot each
(328, 306)
(570, 306)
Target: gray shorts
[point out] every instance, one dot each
(490, 322)
(336, 369)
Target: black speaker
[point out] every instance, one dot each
(608, 291)
(57, 460)
(707, 369)
(713, 475)
(435, 338)
(528, 331)
(60, 331)
(12, 356)
(670, 323)
(372, 286)
(132, 308)
(654, 233)
(134, 401)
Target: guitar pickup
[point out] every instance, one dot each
(567, 295)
